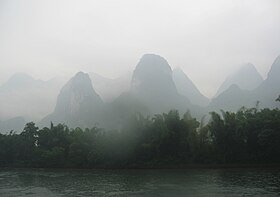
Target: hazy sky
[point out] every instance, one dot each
(207, 39)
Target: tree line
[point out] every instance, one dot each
(248, 136)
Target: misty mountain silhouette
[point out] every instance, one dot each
(77, 103)
(187, 88)
(273, 74)
(13, 124)
(22, 95)
(152, 84)
(247, 78)
(266, 93)
(20, 81)
(269, 90)
(154, 88)
(232, 99)
(110, 89)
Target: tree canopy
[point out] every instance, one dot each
(248, 136)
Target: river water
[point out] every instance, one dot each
(191, 182)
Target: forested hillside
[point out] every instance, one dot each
(249, 136)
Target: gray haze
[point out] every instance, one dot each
(207, 39)
(247, 78)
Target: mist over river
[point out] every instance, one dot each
(189, 182)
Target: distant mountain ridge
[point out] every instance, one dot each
(110, 89)
(232, 99)
(265, 93)
(246, 78)
(22, 95)
(273, 74)
(269, 90)
(153, 88)
(15, 124)
(187, 88)
(77, 103)
(20, 81)
(153, 84)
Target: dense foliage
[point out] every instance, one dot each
(249, 136)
